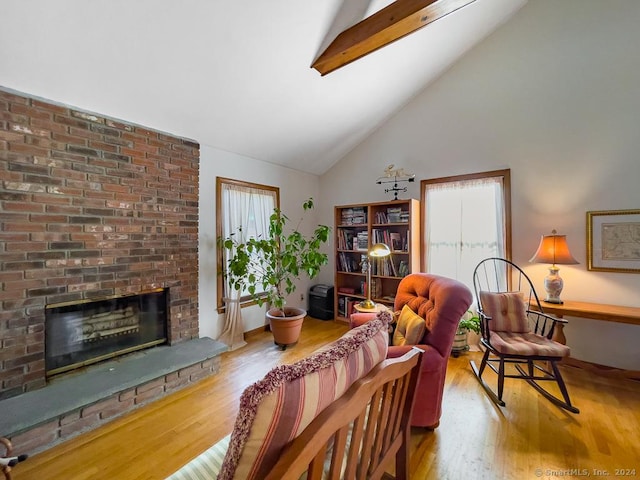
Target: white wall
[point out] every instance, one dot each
(295, 188)
(552, 95)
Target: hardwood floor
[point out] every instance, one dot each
(475, 439)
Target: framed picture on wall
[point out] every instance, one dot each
(613, 241)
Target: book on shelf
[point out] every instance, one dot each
(348, 263)
(363, 240)
(381, 217)
(344, 262)
(383, 267)
(395, 241)
(379, 236)
(346, 239)
(347, 306)
(376, 287)
(403, 269)
(350, 290)
(351, 306)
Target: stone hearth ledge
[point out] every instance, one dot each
(97, 382)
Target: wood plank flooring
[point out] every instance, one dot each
(528, 439)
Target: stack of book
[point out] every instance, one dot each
(397, 215)
(362, 241)
(393, 214)
(354, 216)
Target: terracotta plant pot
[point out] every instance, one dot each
(286, 330)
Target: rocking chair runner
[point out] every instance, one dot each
(515, 330)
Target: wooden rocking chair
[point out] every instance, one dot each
(515, 330)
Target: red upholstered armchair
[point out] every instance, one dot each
(441, 302)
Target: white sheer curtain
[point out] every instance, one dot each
(246, 215)
(233, 330)
(464, 224)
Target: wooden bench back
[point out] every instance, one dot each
(359, 434)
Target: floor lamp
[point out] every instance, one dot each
(377, 250)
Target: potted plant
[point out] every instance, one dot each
(469, 322)
(268, 268)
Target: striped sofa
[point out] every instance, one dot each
(278, 408)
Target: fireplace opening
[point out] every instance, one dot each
(87, 332)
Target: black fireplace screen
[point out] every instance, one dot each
(83, 333)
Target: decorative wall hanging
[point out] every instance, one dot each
(613, 241)
(395, 176)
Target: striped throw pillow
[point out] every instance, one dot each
(507, 311)
(276, 409)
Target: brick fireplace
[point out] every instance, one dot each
(91, 208)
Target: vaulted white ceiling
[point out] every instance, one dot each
(231, 74)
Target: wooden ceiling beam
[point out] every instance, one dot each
(393, 22)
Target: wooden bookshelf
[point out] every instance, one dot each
(357, 227)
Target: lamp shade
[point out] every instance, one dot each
(379, 250)
(553, 249)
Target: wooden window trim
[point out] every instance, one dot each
(219, 256)
(506, 200)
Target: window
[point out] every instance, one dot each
(244, 209)
(466, 218)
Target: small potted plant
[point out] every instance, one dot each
(268, 268)
(469, 322)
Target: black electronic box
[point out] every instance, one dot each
(321, 302)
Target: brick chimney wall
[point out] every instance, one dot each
(90, 207)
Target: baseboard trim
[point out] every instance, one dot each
(256, 331)
(603, 370)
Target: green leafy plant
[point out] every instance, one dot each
(470, 321)
(268, 267)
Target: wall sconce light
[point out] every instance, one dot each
(553, 249)
(377, 250)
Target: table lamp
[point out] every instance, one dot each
(553, 249)
(377, 250)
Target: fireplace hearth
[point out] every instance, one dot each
(82, 333)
